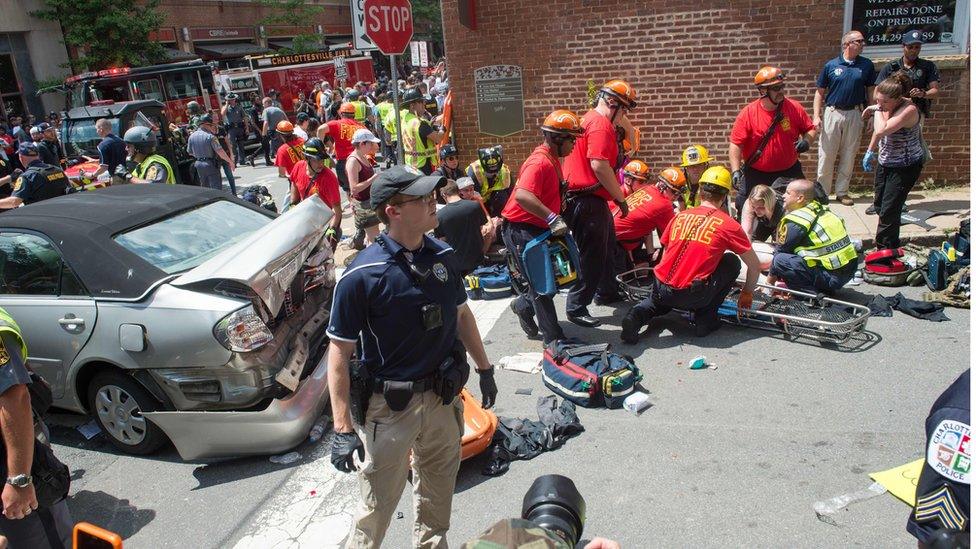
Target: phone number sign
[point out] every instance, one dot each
(884, 21)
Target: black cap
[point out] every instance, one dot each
(402, 180)
(911, 37)
(301, 117)
(205, 119)
(28, 149)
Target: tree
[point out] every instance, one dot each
(295, 13)
(107, 33)
(429, 11)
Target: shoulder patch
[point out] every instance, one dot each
(4, 355)
(152, 172)
(949, 450)
(941, 507)
(18, 183)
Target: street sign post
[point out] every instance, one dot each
(389, 25)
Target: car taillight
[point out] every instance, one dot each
(242, 331)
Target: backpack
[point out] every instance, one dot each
(946, 261)
(490, 282)
(259, 196)
(589, 375)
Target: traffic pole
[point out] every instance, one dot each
(394, 81)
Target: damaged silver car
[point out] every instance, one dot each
(175, 313)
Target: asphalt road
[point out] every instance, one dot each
(734, 456)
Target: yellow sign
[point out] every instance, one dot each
(901, 481)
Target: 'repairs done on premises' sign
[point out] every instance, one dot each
(883, 21)
(501, 104)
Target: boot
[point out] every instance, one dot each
(633, 321)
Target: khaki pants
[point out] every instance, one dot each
(433, 431)
(840, 135)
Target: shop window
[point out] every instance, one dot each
(944, 25)
(11, 100)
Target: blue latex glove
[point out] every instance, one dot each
(868, 162)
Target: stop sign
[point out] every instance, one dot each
(389, 24)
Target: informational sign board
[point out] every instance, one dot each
(883, 23)
(340, 67)
(501, 104)
(415, 54)
(357, 9)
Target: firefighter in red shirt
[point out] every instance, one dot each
(651, 209)
(312, 176)
(696, 273)
(761, 149)
(341, 132)
(591, 173)
(290, 152)
(635, 174)
(534, 207)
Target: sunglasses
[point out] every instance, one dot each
(429, 197)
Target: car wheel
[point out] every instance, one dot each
(117, 403)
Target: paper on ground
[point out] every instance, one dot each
(901, 481)
(529, 363)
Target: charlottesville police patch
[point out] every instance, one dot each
(4, 355)
(440, 271)
(949, 451)
(941, 506)
(152, 172)
(17, 184)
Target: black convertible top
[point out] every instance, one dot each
(82, 226)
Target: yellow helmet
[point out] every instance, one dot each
(716, 176)
(694, 155)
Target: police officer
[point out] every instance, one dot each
(140, 143)
(24, 522)
(403, 301)
(39, 181)
(204, 146)
(695, 273)
(942, 494)
(533, 208)
(419, 136)
(237, 123)
(815, 253)
(591, 171)
(493, 177)
(47, 148)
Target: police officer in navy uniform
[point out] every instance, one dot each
(204, 146)
(403, 302)
(942, 494)
(39, 181)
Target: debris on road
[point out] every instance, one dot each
(285, 459)
(526, 391)
(522, 439)
(637, 403)
(89, 430)
(318, 429)
(828, 507)
(700, 363)
(527, 363)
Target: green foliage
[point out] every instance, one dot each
(429, 11)
(592, 89)
(107, 33)
(293, 13)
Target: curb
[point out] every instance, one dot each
(925, 240)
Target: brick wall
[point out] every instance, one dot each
(692, 64)
(207, 13)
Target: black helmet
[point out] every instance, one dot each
(142, 138)
(194, 108)
(410, 96)
(491, 158)
(448, 150)
(314, 148)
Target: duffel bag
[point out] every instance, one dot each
(490, 282)
(589, 375)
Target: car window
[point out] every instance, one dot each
(187, 239)
(149, 89)
(81, 137)
(180, 85)
(31, 265)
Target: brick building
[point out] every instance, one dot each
(692, 64)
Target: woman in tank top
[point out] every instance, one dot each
(898, 138)
(360, 172)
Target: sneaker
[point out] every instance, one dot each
(526, 321)
(632, 323)
(871, 210)
(846, 200)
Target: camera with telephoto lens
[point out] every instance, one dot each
(554, 504)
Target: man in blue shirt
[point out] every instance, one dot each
(846, 83)
(403, 302)
(111, 150)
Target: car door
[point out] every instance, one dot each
(54, 311)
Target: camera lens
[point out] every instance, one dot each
(554, 503)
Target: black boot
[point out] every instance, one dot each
(634, 320)
(526, 321)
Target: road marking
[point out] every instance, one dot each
(315, 506)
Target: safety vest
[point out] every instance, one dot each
(416, 151)
(143, 167)
(503, 179)
(387, 118)
(830, 247)
(9, 325)
(360, 111)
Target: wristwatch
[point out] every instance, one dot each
(20, 481)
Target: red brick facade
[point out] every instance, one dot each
(692, 68)
(206, 13)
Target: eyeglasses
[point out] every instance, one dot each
(858, 41)
(429, 197)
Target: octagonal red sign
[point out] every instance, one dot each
(389, 24)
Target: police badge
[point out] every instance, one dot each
(440, 271)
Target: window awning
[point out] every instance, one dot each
(229, 50)
(173, 54)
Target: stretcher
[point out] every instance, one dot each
(791, 312)
(479, 426)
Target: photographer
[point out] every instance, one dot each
(403, 300)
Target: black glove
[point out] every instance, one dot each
(624, 210)
(488, 388)
(802, 145)
(16, 175)
(120, 171)
(344, 445)
(738, 178)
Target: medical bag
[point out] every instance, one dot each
(489, 282)
(885, 268)
(550, 262)
(589, 375)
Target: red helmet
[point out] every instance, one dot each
(347, 108)
(285, 127)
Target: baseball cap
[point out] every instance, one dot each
(911, 37)
(363, 135)
(205, 119)
(28, 149)
(402, 180)
(301, 117)
(36, 129)
(464, 182)
(44, 126)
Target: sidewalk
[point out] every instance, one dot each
(955, 202)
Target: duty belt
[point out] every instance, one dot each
(419, 386)
(573, 193)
